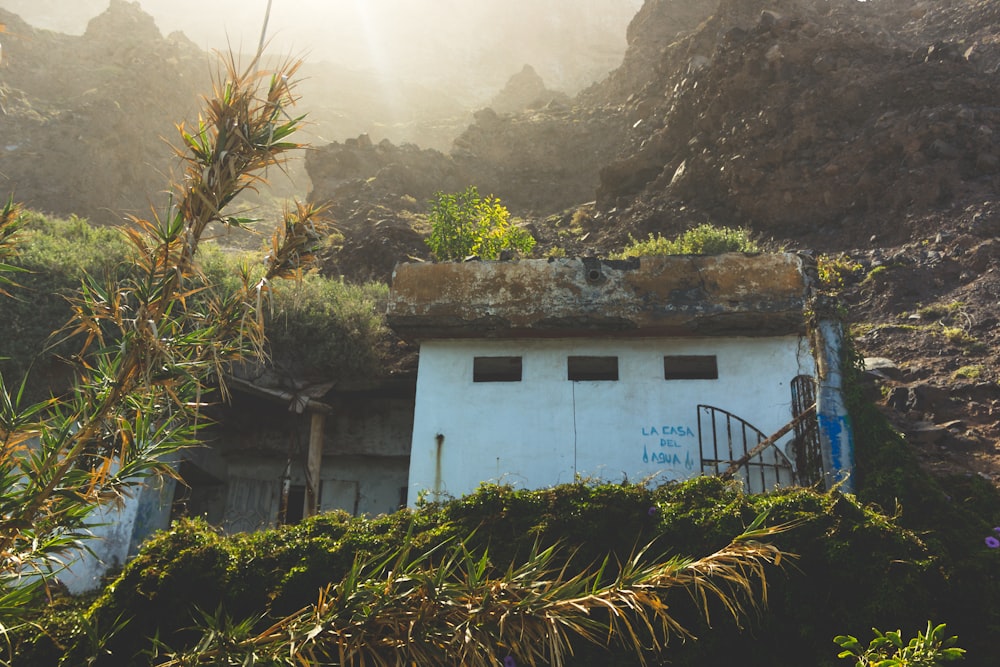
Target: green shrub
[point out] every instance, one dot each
(970, 372)
(465, 224)
(862, 565)
(833, 270)
(705, 239)
(319, 326)
(55, 255)
(927, 649)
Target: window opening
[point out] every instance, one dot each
(579, 369)
(496, 369)
(690, 367)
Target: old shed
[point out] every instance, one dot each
(540, 372)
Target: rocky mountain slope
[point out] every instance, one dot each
(82, 117)
(867, 131)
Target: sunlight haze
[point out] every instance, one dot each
(426, 40)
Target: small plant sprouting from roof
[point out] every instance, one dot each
(705, 239)
(930, 648)
(465, 224)
(835, 270)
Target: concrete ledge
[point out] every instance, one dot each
(720, 295)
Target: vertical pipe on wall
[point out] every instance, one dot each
(835, 433)
(314, 462)
(439, 441)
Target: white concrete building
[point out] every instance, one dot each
(537, 372)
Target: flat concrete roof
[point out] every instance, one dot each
(682, 295)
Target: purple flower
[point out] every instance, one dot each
(997, 530)
(992, 542)
(509, 661)
(652, 511)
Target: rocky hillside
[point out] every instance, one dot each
(867, 131)
(82, 117)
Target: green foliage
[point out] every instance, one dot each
(465, 224)
(55, 257)
(10, 226)
(316, 325)
(145, 351)
(867, 570)
(876, 272)
(450, 605)
(952, 513)
(939, 311)
(927, 649)
(833, 271)
(969, 372)
(705, 239)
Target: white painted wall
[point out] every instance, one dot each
(116, 532)
(546, 430)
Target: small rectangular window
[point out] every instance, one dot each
(580, 369)
(496, 369)
(690, 367)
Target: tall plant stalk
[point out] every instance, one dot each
(148, 352)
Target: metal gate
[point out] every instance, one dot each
(730, 447)
(805, 447)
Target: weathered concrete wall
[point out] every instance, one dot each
(355, 484)
(112, 530)
(546, 430)
(732, 294)
(365, 458)
(116, 532)
(370, 427)
(236, 479)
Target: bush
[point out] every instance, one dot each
(318, 325)
(927, 649)
(705, 239)
(857, 568)
(56, 255)
(465, 224)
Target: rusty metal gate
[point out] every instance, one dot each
(805, 448)
(730, 447)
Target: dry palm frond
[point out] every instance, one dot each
(404, 611)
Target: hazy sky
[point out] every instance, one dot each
(375, 34)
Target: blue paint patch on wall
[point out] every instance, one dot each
(837, 430)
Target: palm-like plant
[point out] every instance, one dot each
(448, 606)
(148, 352)
(10, 223)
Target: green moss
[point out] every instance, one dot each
(865, 567)
(971, 372)
(705, 239)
